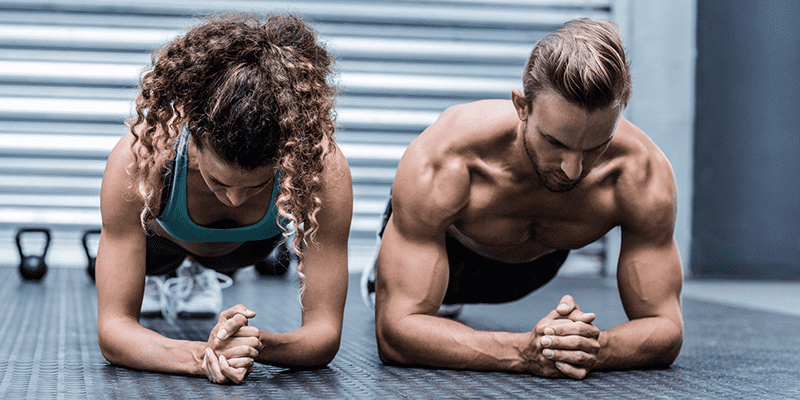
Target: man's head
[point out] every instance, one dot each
(577, 82)
(584, 62)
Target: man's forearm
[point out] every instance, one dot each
(641, 343)
(444, 343)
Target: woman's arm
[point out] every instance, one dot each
(316, 342)
(121, 260)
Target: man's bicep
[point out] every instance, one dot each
(412, 269)
(649, 275)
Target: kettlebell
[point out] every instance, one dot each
(276, 263)
(32, 267)
(92, 263)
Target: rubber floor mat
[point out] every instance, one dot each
(49, 349)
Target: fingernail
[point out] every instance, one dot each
(221, 334)
(208, 353)
(548, 353)
(546, 341)
(549, 331)
(248, 311)
(559, 364)
(563, 306)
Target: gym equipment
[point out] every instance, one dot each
(276, 263)
(92, 263)
(32, 267)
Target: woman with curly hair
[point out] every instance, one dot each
(230, 152)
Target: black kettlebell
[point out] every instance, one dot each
(276, 263)
(33, 268)
(90, 266)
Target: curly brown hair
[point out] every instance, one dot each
(252, 89)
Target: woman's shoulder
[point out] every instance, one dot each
(336, 169)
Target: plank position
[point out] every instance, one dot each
(488, 201)
(232, 143)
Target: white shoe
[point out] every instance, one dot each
(155, 299)
(196, 292)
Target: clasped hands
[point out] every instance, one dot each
(232, 346)
(563, 343)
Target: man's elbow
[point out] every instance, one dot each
(671, 349)
(391, 347)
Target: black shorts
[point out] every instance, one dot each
(164, 256)
(477, 279)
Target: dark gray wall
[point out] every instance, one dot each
(746, 219)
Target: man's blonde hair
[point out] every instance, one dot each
(584, 62)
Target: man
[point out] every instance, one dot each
(488, 201)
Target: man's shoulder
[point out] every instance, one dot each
(431, 185)
(481, 112)
(645, 187)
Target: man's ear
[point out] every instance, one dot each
(520, 104)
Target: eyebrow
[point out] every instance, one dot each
(558, 142)
(216, 181)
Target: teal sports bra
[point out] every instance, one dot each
(174, 217)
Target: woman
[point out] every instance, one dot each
(232, 143)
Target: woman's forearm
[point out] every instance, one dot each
(127, 343)
(310, 346)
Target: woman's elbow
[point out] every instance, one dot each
(107, 347)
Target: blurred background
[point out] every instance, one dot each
(715, 86)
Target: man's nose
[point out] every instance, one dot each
(572, 164)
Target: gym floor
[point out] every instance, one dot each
(733, 347)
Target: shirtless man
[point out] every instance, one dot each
(488, 201)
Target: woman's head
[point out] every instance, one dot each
(243, 85)
(254, 92)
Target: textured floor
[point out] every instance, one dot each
(49, 350)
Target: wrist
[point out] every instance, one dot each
(521, 359)
(198, 353)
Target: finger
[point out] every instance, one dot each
(566, 306)
(246, 331)
(231, 325)
(580, 316)
(213, 371)
(569, 308)
(242, 362)
(240, 351)
(236, 375)
(238, 347)
(237, 309)
(571, 343)
(571, 370)
(570, 328)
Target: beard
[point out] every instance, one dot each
(548, 177)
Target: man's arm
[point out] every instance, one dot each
(413, 277)
(649, 278)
